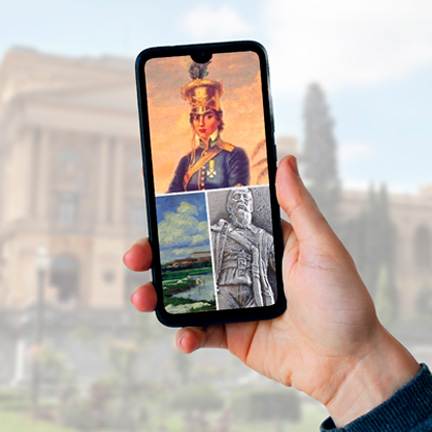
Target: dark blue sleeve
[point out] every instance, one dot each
(408, 410)
(239, 168)
(176, 184)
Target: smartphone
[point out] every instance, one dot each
(209, 163)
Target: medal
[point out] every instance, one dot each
(211, 172)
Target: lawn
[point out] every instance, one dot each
(312, 416)
(18, 422)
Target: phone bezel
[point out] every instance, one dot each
(218, 316)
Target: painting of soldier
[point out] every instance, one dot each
(212, 163)
(197, 145)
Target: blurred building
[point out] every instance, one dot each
(411, 216)
(70, 178)
(70, 182)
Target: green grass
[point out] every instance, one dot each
(182, 273)
(16, 422)
(312, 417)
(310, 421)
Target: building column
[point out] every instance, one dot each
(4, 155)
(20, 362)
(43, 175)
(117, 202)
(31, 152)
(103, 181)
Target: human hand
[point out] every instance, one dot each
(329, 342)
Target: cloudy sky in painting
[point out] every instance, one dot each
(373, 59)
(183, 230)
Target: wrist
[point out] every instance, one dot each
(372, 379)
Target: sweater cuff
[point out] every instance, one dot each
(406, 409)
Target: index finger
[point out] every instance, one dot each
(139, 257)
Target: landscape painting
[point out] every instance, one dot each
(187, 276)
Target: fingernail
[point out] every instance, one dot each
(132, 297)
(180, 343)
(293, 164)
(184, 346)
(125, 256)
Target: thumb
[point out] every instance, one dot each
(305, 217)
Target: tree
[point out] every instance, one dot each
(319, 155)
(371, 240)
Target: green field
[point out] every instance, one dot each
(311, 418)
(182, 273)
(184, 281)
(20, 422)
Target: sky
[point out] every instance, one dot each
(183, 230)
(372, 58)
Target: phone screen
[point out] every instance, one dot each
(210, 181)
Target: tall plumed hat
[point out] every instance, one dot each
(203, 94)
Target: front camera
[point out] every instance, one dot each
(201, 56)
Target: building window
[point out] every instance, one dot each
(422, 247)
(68, 159)
(67, 207)
(65, 277)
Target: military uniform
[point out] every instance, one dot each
(219, 164)
(242, 257)
(222, 165)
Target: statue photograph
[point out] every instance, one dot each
(243, 248)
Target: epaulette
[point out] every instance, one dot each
(225, 146)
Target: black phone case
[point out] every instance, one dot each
(202, 53)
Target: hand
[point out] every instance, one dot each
(329, 342)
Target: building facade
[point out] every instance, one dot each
(71, 183)
(70, 179)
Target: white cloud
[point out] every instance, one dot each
(181, 228)
(354, 152)
(187, 209)
(212, 22)
(341, 43)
